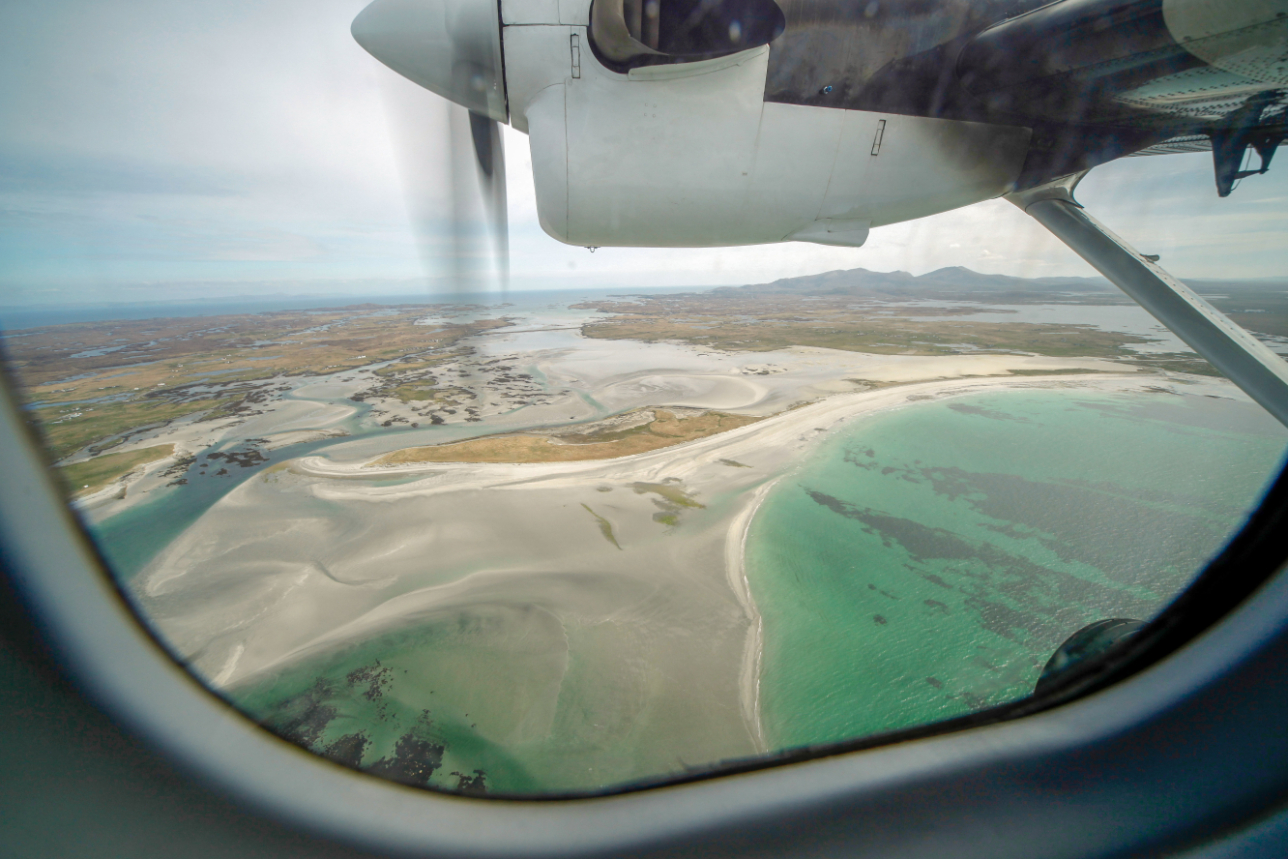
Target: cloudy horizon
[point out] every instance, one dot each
(156, 151)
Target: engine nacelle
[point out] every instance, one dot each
(687, 153)
(649, 126)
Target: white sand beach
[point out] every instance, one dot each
(634, 564)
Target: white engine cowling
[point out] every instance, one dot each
(659, 135)
(690, 155)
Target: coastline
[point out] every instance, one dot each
(316, 555)
(585, 622)
(587, 380)
(768, 448)
(753, 648)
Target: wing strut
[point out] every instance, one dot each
(1243, 359)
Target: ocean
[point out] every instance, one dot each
(919, 564)
(925, 563)
(19, 318)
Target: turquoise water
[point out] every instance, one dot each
(925, 563)
(408, 705)
(129, 540)
(497, 698)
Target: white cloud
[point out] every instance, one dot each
(244, 142)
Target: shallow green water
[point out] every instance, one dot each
(476, 699)
(925, 563)
(919, 565)
(408, 705)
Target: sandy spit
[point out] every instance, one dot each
(323, 553)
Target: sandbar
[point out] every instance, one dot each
(321, 553)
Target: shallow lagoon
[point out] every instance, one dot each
(920, 564)
(925, 563)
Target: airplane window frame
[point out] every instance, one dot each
(1198, 686)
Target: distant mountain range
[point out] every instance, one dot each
(960, 283)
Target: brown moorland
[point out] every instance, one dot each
(92, 382)
(664, 430)
(83, 478)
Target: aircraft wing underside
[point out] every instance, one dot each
(1095, 79)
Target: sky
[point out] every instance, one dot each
(162, 150)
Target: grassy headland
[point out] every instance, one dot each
(658, 428)
(84, 478)
(897, 313)
(762, 323)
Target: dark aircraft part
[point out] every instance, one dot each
(462, 63)
(1095, 79)
(1055, 69)
(483, 131)
(1073, 59)
(1228, 149)
(856, 54)
(1090, 642)
(625, 34)
(489, 155)
(1230, 144)
(1062, 62)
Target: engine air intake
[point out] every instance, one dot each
(625, 34)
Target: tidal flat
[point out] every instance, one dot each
(540, 549)
(1001, 521)
(643, 642)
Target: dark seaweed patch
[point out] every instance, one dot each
(413, 761)
(1040, 595)
(983, 412)
(304, 719)
(348, 750)
(248, 458)
(475, 785)
(377, 678)
(1074, 519)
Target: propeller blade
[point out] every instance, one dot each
(477, 215)
(451, 48)
(489, 153)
